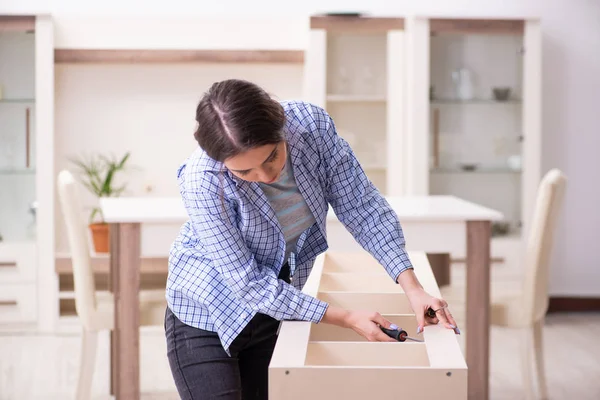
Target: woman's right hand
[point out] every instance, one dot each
(365, 323)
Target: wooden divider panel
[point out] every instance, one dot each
(322, 361)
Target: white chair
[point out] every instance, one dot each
(95, 309)
(526, 309)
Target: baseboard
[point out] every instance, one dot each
(573, 304)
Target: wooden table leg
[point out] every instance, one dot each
(125, 268)
(111, 372)
(440, 265)
(112, 355)
(113, 369)
(478, 308)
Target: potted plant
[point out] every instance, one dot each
(97, 174)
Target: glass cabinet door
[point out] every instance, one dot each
(476, 119)
(17, 138)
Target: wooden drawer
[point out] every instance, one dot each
(17, 262)
(322, 361)
(18, 303)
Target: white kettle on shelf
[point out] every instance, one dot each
(463, 83)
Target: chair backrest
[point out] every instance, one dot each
(540, 243)
(78, 239)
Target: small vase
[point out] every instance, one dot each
(100, 237)
(463, 84)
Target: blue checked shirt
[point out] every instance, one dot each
(224, 263)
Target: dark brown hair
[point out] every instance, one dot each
(234, 116)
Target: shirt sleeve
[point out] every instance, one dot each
(357, 203)
(255, 286)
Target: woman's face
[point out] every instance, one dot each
(261, 164)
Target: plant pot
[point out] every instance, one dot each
(100, 237)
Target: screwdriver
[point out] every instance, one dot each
(399, 334)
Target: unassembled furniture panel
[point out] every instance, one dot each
(323, 361)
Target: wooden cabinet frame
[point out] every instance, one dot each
(321, 361)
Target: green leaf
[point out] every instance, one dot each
(96, 211)
(124, 160)
(118, 191)
(106, 187)
(97, 173)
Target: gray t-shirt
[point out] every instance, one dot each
(289, 205)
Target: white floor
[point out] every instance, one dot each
(44, 366)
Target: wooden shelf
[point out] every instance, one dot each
(474, 101)
(10, 101)
(66, 294)
(375, 355)
(17, 171)
(100, 265)
(356, 24)
(482, 170)
(474, 26)
(177, 56)
(153, 275)
(17, 23)
(102, 282)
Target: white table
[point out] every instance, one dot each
(433, 224)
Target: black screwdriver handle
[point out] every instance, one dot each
(398, 334)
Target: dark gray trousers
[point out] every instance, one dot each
(203, 370)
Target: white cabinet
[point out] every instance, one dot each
(354, 70)
(18, 288)
(26, 170)
(422, 103)
(17, 171)
(473, 113)
(18, 304)
(18, 262)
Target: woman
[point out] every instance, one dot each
(257, 191)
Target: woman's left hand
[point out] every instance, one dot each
(421, 301)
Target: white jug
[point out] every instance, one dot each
(463, 83)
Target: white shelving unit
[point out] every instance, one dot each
(354, 70)
(373, 75)
(27, 175)
(461, 139)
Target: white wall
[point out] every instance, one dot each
(148, 110)
(571, 93)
